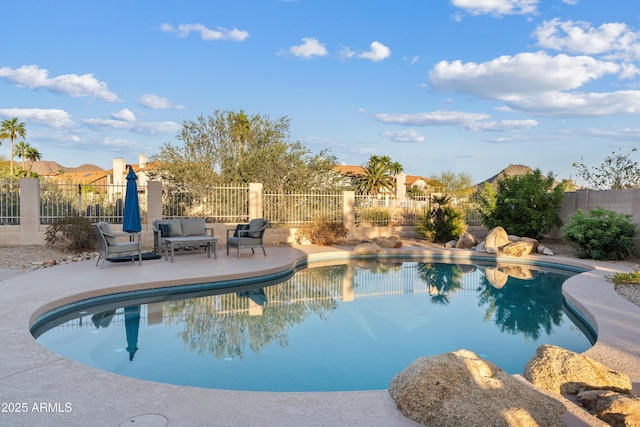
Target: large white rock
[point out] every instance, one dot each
(496, 238)
(367, 248)
(559, 370)
(461, 389)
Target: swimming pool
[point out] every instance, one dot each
(350, 326)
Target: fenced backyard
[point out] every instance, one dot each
(28, 206)
(220, 204)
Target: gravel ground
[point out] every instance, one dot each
(35, 256)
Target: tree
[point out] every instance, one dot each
(33, 155)
(377, 177)
(21, 151)
(11, 130)
(232, 147)
(442, 222)
(455, 184)
(616, 172)
(526, 205)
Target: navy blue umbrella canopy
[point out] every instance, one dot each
(131, 222)
(132, 327)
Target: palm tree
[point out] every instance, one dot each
(395, 168)
(375, 179)
(33, 155)
(11, 130)
(21, 151)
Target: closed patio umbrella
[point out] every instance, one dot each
(132, 326)
(131, 222)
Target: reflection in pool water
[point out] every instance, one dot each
(351, 326)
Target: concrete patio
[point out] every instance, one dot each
(72, 394)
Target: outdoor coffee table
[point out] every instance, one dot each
(170, 243)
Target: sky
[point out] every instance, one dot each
(467, 86)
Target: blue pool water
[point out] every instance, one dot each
(351, 326)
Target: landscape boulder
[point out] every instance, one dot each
(517, 249)
(466, 241)
(479, 247)
(534, 242)
(388, 242)
(451, 244)
(496, 238)
(367, 248)
(461, 389)
(543, 250)
(562, 371)
(613, 408)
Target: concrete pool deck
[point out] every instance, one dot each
(57, 391)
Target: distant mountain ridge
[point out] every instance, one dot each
(510, 170)
(46, 167)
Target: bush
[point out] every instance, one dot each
(72, 233)
(442, 222)
(375, 217)
(526, 205)
(322, 232)
(600, 234)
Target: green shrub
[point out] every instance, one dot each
(600, 234)
(72, 233)
(322, 232)
(526, 205)
(375, 217)
(442, 222)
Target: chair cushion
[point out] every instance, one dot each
(124, 247)
(193, 227)
(176, 227)
(240, 227)
(255, 224)
(165, 230)
(107, 232)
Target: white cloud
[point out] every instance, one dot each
(155, 102)
(220, 33)
(404, 136)
(477, 122)
(152, 128)
(501, 126)
(309, 48)
(346, 53)
(570, 2)
(125, 120)
(436, 118)
(509, 77)
(73, 85)
(125, 114)
(559, 104)
(615, 40)
(114, 143)
(107, 123)
(497, 7)
(53, 118)
(377, 53)
(619, 134)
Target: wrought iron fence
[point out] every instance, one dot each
(220, 204)
(296, 209)
(387, 210)
(9, 202)
(97, 202)
(228, 203)
(469, 206)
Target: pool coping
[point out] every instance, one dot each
(31, 374)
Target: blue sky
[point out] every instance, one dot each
(460, 85)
